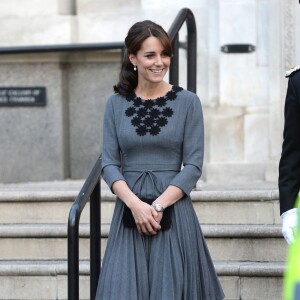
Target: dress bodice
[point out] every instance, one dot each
(147, 141)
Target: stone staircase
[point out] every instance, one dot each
(241, 226)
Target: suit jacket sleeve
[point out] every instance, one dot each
(289, 165)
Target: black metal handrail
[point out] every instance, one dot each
(91, 190)
(184, 15)
(61, 48)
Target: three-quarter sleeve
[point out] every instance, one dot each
(193, 149)
(289, 166)
(111, 159)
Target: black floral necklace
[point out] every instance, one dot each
(149, 116)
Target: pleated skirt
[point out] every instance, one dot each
(175, 264)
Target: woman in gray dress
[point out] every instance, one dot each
(152, 158)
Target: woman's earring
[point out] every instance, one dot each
(134, 68)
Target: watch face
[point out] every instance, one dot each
(158, 207)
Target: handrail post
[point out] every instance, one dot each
(73, 253)
(174, 66)
(191, 54)
(89, 191)
(185, 15)
(95, 239)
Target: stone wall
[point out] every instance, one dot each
(62, 139)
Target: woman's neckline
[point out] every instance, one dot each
(160, 101)
(165, 95)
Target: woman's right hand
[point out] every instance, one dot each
(145, 218)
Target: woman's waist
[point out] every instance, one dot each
(155, 168)
(146, 180)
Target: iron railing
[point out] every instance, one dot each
(91, 189)
(184, 15)
(61, 48)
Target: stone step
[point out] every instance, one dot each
(212, 206)
(239, 224)
(37, 206)
(47, 279)
(225, 242)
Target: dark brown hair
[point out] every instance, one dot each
(137, 34)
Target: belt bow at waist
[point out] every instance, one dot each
(156, 190)
(144, 174)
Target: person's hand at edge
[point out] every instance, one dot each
(289, 224)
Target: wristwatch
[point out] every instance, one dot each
(158, 207)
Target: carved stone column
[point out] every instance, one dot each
(282, 57)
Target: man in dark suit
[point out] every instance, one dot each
(289, 166)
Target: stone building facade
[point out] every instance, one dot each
(242, 93)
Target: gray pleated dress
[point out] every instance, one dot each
(152, 144)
